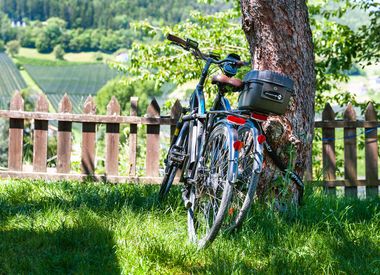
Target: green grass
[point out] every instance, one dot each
(68, 227)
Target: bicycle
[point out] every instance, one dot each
(220, 152)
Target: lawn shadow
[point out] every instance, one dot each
(80, 250)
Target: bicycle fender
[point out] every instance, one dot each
(259, 148)
(234, 154)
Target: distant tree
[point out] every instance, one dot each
(59, 52)
(7, 33)
(43, 43)
(13, 47)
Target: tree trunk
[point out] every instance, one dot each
(280, 40)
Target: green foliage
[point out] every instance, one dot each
(59, 52)
(123, 91)
(161, 62)
(337, 47)
(108, 14)
(50, 35)
(2, 46)
(13, 47)
(7, 33)
(74, 227)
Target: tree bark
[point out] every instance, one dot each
(280, 40)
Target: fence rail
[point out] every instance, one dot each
(89, 119)
(153, 121)
(350, 125)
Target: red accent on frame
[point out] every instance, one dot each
(236, 120)
(261, 139)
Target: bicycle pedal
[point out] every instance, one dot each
(203, 171)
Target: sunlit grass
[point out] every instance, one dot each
(70, 227)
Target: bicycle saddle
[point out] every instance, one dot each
(222, 79)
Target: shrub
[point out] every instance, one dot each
(13, 47)
(59, 52)
(98, 56)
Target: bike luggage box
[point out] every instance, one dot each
(266, 92)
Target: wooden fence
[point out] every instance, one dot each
(153, 120)
(350, 124)
(89, 120)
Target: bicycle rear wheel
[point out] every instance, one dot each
(244, 189)
(210, 196)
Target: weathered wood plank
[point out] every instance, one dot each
(133, 138)
(371, 152)
(16, 128)
(350, 154)
(64, 145)
(334, 183)
(153, 141)
(164, 120)
(344, 124)
(328, 148)
(40, 142)
(112, 139)
(88, 139)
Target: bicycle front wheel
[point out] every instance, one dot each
(210, 196)
(176, 159)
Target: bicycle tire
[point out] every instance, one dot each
(250, 163)
(167, 182)
(214, 192)
(169, 176)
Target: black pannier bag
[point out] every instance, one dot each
(266, 92)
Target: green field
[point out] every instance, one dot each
(10, 80)
(88, 228)
(78, 81)
(70, 57)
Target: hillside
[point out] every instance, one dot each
(10, 80)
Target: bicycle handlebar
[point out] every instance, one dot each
(177, 40)
(190, 44)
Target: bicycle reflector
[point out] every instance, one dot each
(259, 117)
(238, 145)
(236, 120)
(261, 139)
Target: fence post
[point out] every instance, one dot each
(175, 114)
(40, 141)
(15, 142)
(328, 148)
(64, 138)
(112, 139)
(133, 138)
(153, 141)
(88, 139)
(371, 155)
(350, 154)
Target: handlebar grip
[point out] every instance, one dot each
(242, 63)
(177, 40)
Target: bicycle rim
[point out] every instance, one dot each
(210, 197)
